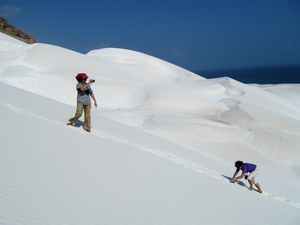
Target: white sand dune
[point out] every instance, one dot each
(162, 145)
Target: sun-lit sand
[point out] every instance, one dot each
(162, 147)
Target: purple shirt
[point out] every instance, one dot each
(248, 167)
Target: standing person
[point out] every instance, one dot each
(246, 168)
(84, 92)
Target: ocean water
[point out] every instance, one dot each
(259, 75)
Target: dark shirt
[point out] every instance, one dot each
(248, 167)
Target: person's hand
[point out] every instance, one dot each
(95, 104)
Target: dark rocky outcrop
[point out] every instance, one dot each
(11, 30)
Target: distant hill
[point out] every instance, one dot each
(259, 75)
(11, 30)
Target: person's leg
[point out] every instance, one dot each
(257, 186)
(251, 184)
(78, 114)
(252, 180)
(87, 118)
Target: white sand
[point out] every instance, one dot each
(163, 142)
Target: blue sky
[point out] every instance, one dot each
(194, 34)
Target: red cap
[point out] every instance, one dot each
(81, 76)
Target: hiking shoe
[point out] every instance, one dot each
(87, 130)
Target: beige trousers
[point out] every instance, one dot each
(87, 115)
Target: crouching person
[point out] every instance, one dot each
(84, 94)
(246, 168)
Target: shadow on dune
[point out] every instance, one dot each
(78, 123)
(241, 183)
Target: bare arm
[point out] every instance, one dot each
(240, 177)
(94, 99)
(236, 177)
(86, 86)
(235, 174)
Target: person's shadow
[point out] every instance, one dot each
(78, 123)
(238, 181)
